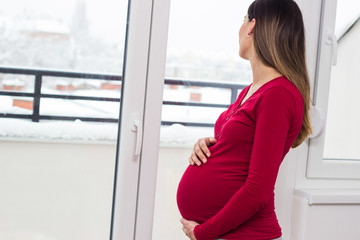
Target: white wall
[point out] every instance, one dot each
(55, 191)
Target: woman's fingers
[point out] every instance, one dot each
(201, 151)
(194, 159)
(185, 226)
(212, 141)
(184, 230)
(188, 228)
(191, 161)
(204, 143)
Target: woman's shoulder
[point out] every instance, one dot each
(279, 95)
(282, 89)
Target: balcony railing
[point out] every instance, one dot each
(37, 95)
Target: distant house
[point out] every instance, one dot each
(36, 43)
(50, 30)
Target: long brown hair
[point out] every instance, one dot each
(279, 40)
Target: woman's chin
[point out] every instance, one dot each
(243, 56)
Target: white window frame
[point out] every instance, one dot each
(318, 167)
(152, 119)
(135, 181)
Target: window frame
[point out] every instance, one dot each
(317, 166)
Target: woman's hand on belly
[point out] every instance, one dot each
(201, 151)
(188, 228)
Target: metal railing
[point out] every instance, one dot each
(37, 95)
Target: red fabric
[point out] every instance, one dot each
(232, 195)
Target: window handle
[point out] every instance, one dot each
(136, 126)
(317, 118)
(332, 40)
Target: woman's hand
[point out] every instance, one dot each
(201, 151)
(188, 228)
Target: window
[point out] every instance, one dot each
(59, 62)
(336, 153)
(50, 52)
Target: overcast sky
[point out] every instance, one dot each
(204, 25)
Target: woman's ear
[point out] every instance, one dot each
(251, 27)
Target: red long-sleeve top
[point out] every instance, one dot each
(232, 195)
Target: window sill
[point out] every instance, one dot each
(330, 196)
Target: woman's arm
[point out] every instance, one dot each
(274, 113)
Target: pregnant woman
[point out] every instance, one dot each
(227, 192)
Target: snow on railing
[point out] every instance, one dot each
(41, 95)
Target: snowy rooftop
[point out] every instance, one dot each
(45, 26)
(49, 27)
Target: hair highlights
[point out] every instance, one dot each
(279, 39)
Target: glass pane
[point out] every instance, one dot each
(343, 117)
(60, 82)
(204, 74)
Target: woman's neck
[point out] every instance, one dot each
(261, 73)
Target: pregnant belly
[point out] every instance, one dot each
(204, 190)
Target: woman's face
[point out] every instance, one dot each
(244, 40)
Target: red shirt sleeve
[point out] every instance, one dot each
(274, 112)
